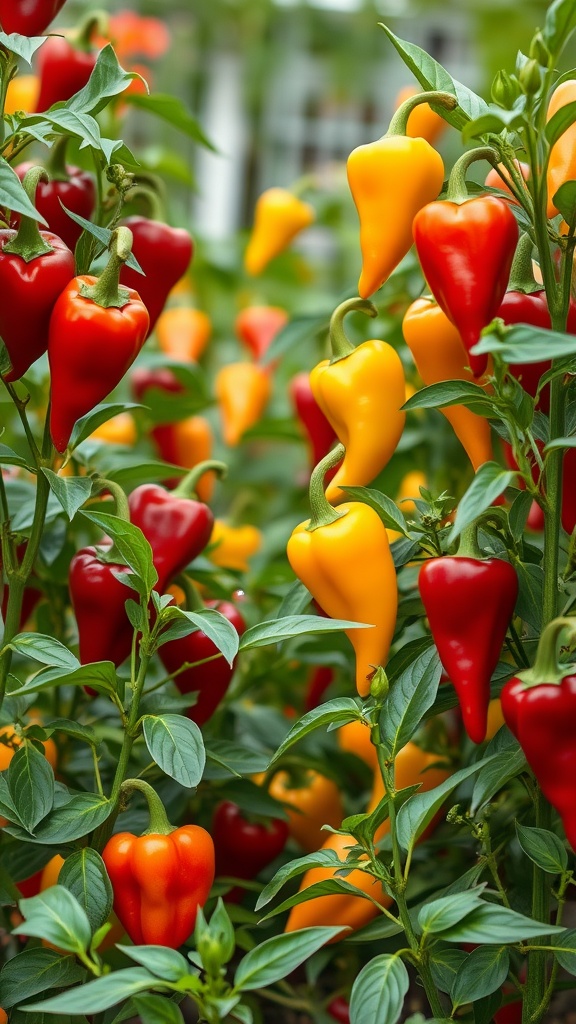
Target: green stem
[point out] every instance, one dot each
(159, 824)
(339, 342)
(29, 243)
(521, 274)
(399, 123)
(188, 486)
(322, 512)
(457, 191)
(107, 291)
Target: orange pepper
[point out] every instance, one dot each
(183, 332)
(242, 391)
(562, 160)
(316, 801)
(22, 94)
(234, 545)
(495, 718)
(278, 217)
(354, 737)
(15, 740)
(186, 443)
(493, 179)
(423, 122)
(439, 355)
(120, 429)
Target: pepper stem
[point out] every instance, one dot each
(469, 546)
(29, 243)
(149, 192)
(188, 484)
(521, 275)
(546, 668)
(340, 344)
(95, 22)
(107, 291)
(121, 506)
(322, 512)
(457, 191)
(57, 159)
(399, 123)
(159, 824)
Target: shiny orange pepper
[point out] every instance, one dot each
(361, 392)
(315, 801)
(23, 92)
(242, 391)
(354, 737)
(120, 429)
(186, 443)
(233, 545)
(439, 355)
(423, 122)
(562, 160)
(278, 217)
(390, 181)
(183, 332)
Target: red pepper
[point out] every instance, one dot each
(164, 253)
(65, 64)
(466, 248)
(177, 526)
(320, 432)
(244, 848)
(161, 878)
(257, 326)
(96, 331)
(469, 602)
(35, 267)
(208, 682)
(339, 1009)
(316, 686)
(75, 189)
(143, 378)
(539, 706)
(98, 599)
(28, 17)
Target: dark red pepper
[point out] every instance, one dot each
(320, 433)
(244, 848)
(96, 331)
(257, 326)
(98, 599)
(539, 707)
(28, 17)
(469, 602)
(339, 1009)
(35, 267)
(75, 189)
(164, 253)
(65, 64)
(144, 378)
(209, 682)
(317, 683)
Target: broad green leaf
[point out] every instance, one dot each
(451, 392)
(409, 698)
(100, 675)
(388, 511)
(336, 886)
(274, 631)
(277, 957)
(23, 46)
(13, 194)
(172, 110)
(84, 733)
(525, 344)
(544, 848)
(55, 915)
(445, 962)
(164, 963)
(108, 79)
(491, 923)
(154, 1009)
(71, 491)
(9, 457)
(34, 971)
(98, 995)
(494, 776)
(379, 990)
(322, 858)
(31, 785)
(224, 758)
(334, 712)
(175, 743)
(74, 819)
(482, 973)
(488, 484)
(211, 622)
(87, 424)
(565, 198)
(131, 543)
(44, 649)
(565, 950)
(560, 21)
(102, 235)
(84, 875)
(440, 914)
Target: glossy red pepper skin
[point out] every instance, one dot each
(164, 253)
(33, 288)
(208, 682)
(77, 193)
(143, 378)
(177, 528)
(466, 252)
(28, 17)
(543, 720)
(90, 348)
(257, 326)
(98, 599)
(316, 685)
(469, 603)
(319, 431)
(63, 69)
(244, 848)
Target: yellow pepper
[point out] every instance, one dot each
(439, 355)
(120, 429)
(390, 181)
(343, 558)
(233, 545)
(22, 94)
(183, 332)
(423, 122)
(361, 392)
(314, 801)
(409, 489)
(562, 160)
(242, 391)
(278, 217)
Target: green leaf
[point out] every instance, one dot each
(544, 848)
(336, 886)
(565, 198)
(57, 916)
(445, 962)
(379, 990)
(84, 875)
(175, 743)
(103, 235)
(34, 971)
(491, 924)
(215, 625)
(157, 1010)
(451, 392)
(522, 343)
(334, 712)
(84, 733)
(13, 194)
(482, 973)
(132, 545)
(108, 79)
(518, 514)
(31, 785)
(557, 442)
(74, 819)
(23, 46)
(9, 457)
(277, 957)
(492, 123)
(409, 698)
(440, 914)
(388, 511)
(174, 111)
(164, 963)
(488, 484)
(87, 424)
(100, 675)
(225, 759)
(560, 21)
(418, 811)
(565, 950)
(71, 491)
(274, 631)
(432, 76)
(322, 858)
(44, 649)
(300, 330)
(494, 776)
(98, 995)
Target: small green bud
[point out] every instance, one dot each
(539, 51)
(530, 77)
(505, 90)
(379, 686)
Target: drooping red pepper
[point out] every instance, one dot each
(339, 1009)
(320, 433)
(35, 267)
(244, 848)
(96, 331)
(65, 64)
(98, 600)
(539, 707)
(164, 253)
(466, 247)
(316, 685)
(257, 326)
(28, 17)
(69, 186)
(208, 682)
(177, 526)
(144, 378)
(161, 878)
(469, 602)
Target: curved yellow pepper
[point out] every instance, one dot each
(279, 216)
(234, 545)
(242, 392)
(361, 392)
